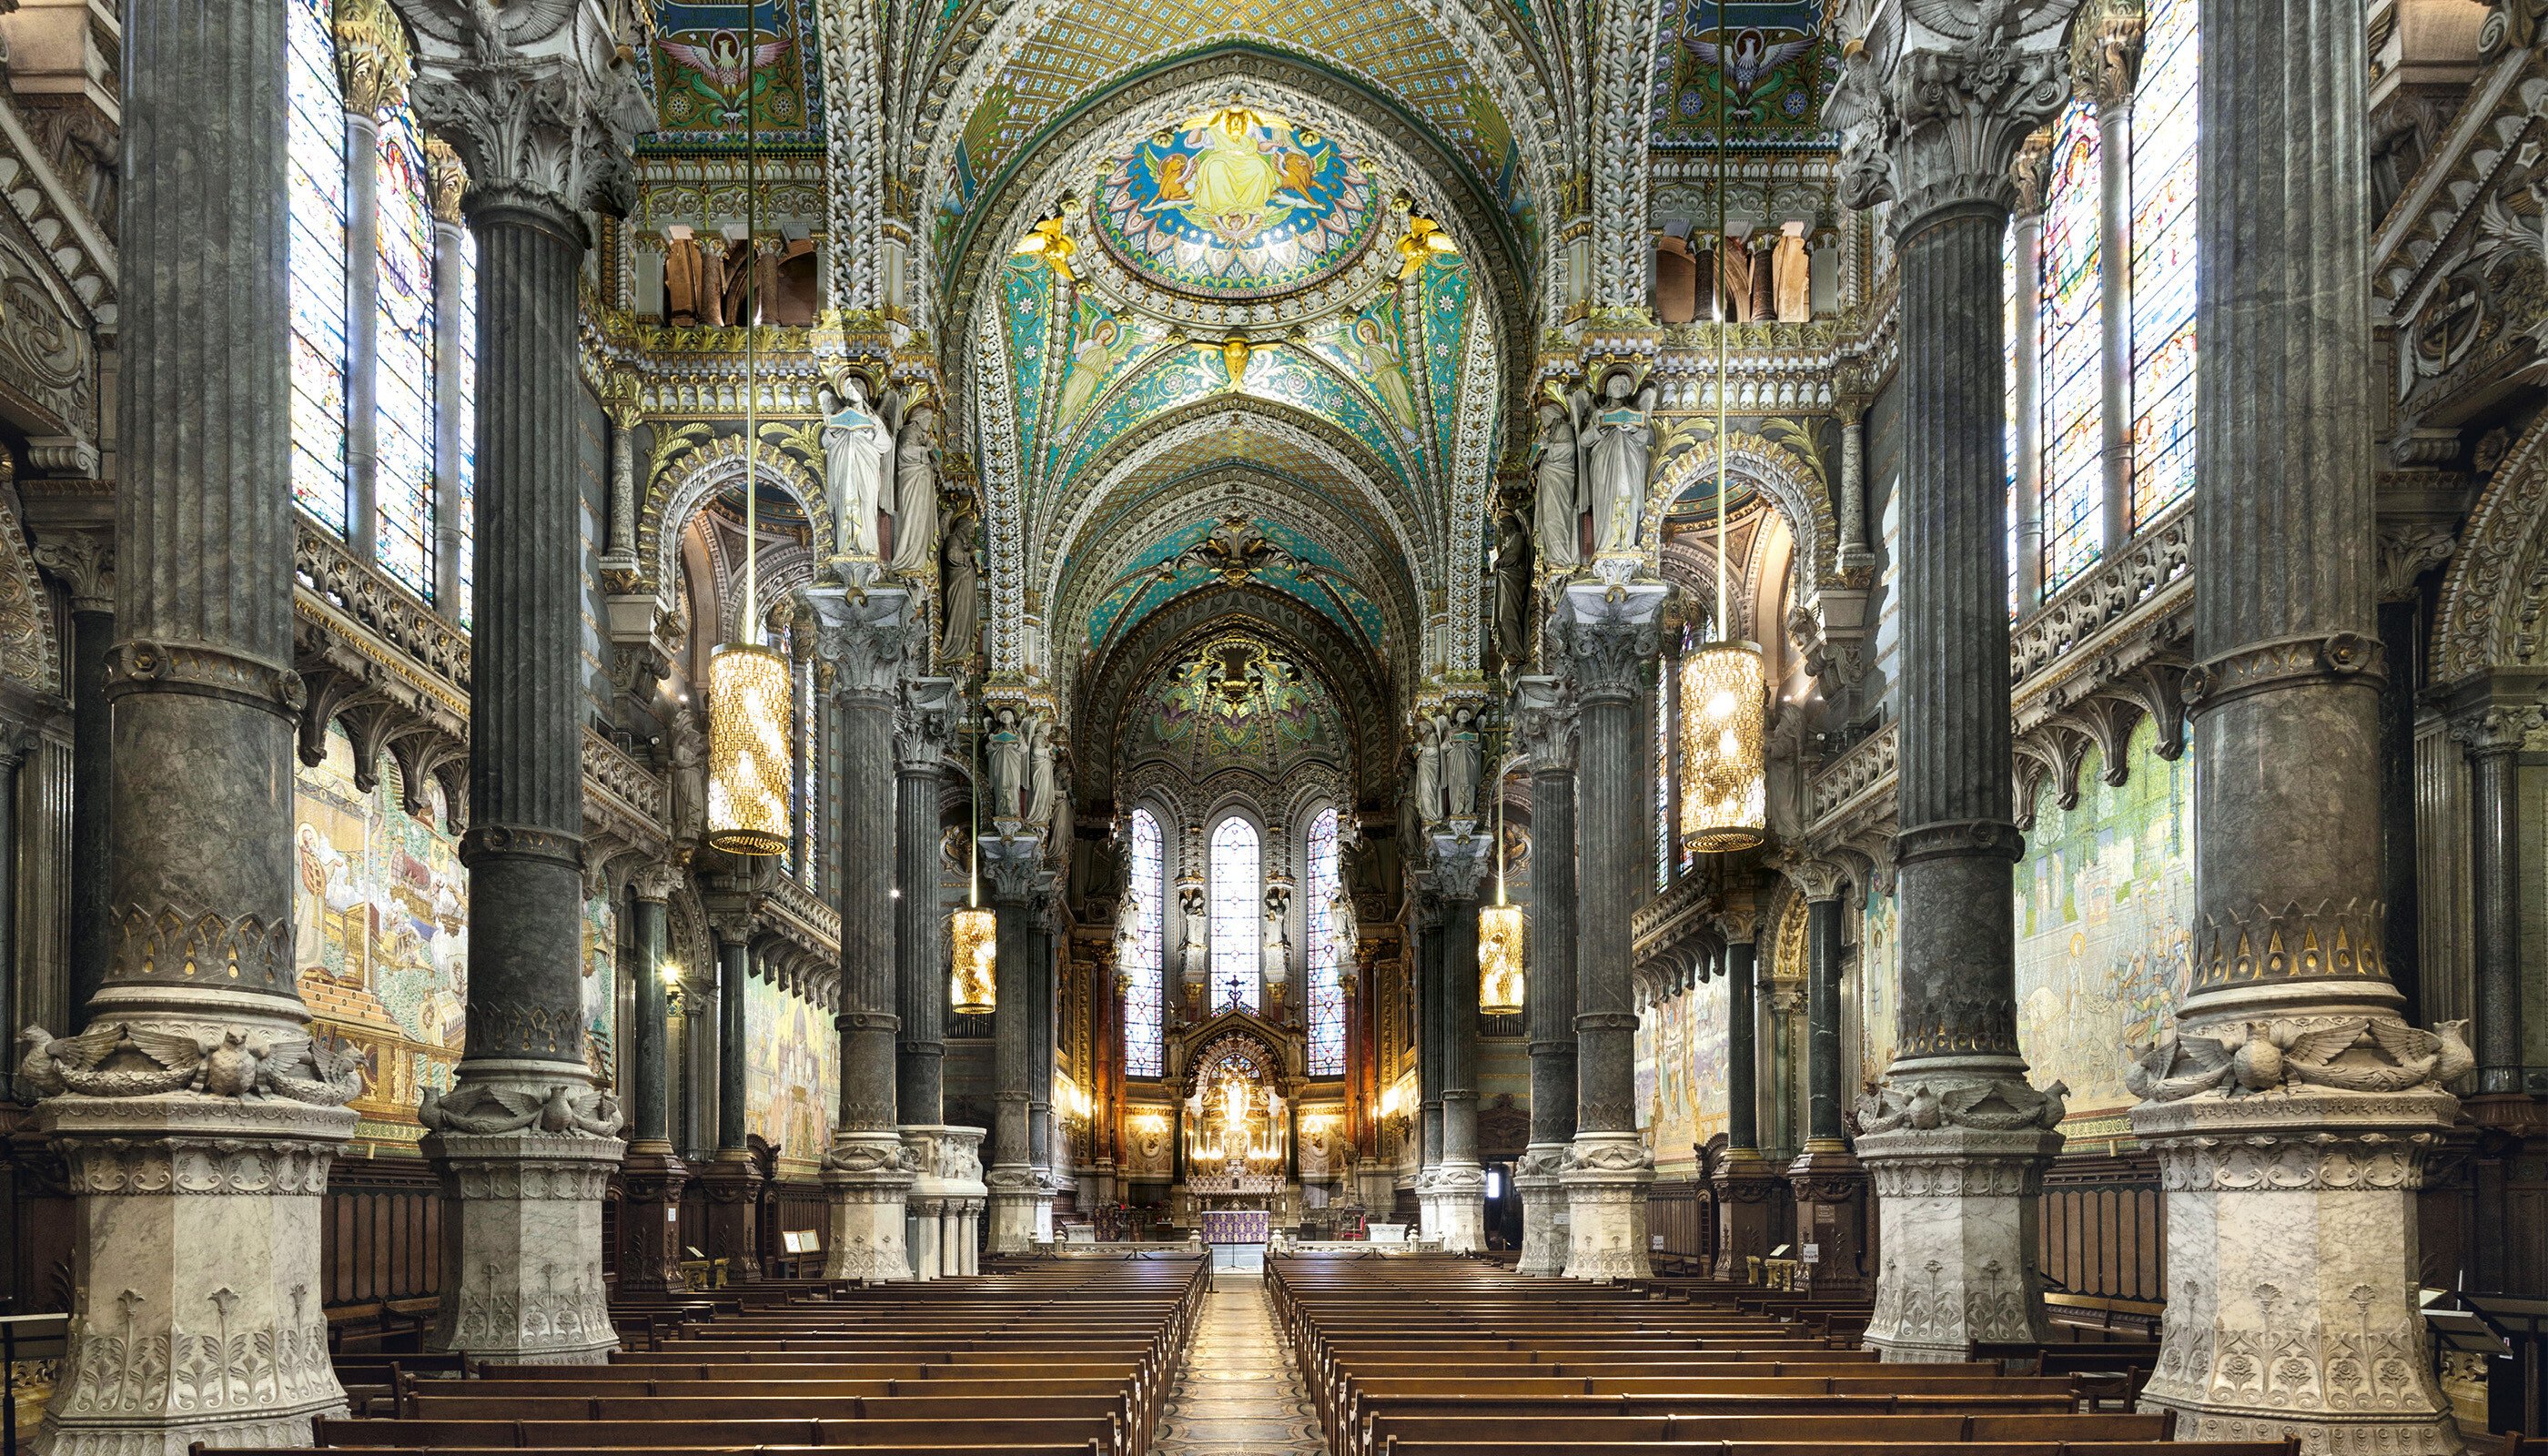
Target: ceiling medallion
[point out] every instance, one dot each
(1237, 204)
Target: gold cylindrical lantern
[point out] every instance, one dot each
(974, 935)
(1724, 770)
(748, 707)
(1499, 972)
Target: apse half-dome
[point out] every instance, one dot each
(1239, 205)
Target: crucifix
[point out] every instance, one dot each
(1233, 993)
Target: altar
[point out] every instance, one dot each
(1236, 1225)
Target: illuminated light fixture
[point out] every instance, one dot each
(671, 971)
(974, 933)
(1724, 696)
(751, 700)
(1500, 985)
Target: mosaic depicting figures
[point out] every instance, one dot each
(600, 987)
(1235, 703)
(380, 932)
(1239, 202)
(1680, 1050)
(1879, 967)
(718, 66)
(2103, 898)
(793, 1079)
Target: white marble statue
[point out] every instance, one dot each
(1006, 756)
(1463, 764)
(1560, 507)
(1276, 963)
(915, 492)
(1042, 797)
(1344, 928)
(1194, 962)
(960, 584)
(1429, 768)
(1618, 459)
(855, 444)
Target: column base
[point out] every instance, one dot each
(1429, 1207)
(1830, 1188)
(945, 1200)
(1013, 1193)
(866, 1178)
(198, 1308)
(1607, 1178)
(651, 1180)
(732, 1182)
(1543, 1210)
(1460, 1207)
(522, 1230)
(1744, 1185)
(2291, 1256)
(1957, 1202)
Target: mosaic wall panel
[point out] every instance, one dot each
(1681, 1047)
(794, 1082)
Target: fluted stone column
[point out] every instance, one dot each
(2491, 737)
(1041, 941)
(1744, 1182)
(1430, 911)
(449, 182)
(732, 1179)
(652, 1176)
(1012, 866)
(1958, 1141)
(1459, 867)
(84, 563)
(1606, 636)
(2290, 1180)
(1544, 726)
(200, 1175)
(1827, 1181)
(542, 118)
(861, 639)
(2026, 360)
(941, 1189)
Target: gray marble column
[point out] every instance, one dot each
(84, 563)
(450, 183)
(16, 742)
(921, 736)
(652, 1176)
(732, 1179)
(1744, 1182)
(2492, 738)
(1857, 552)
(1459, 867)
(1544, 727)
(1606, 636)
(2106, 46)
(2291, 1306)
(1044, 988)
(1826, 1179)
(2025, 373)
(619, 538)
(362, 325)
(1958, 1140)
(862, 641)
(1013, 867)
(200, 1175)
(1429, 1055)
(542, 119)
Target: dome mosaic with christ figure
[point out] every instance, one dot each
(1236, 204)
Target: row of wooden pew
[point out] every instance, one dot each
(1056, 1358)
(1431, 1356)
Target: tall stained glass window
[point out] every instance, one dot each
(1663, 777)
(2163, 223)
(1237, 911)
(2011, 298)
(1143, 963)
(1327, 1004)
(315, 179)
(403, 334)
(2070, 298)
(464, 338)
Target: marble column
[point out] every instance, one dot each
(1012, 866)
(195, 1118)
(1430, 911)
(84, 563)
(1544, 726)
(1826, 1179)
(1606, 636)
(2105, 44)
(525, 1141)
(732, 1179)
(652, 1176)
(861, 640)
(1460, 865)
(1856, 553)
(2025, 370)
(2290, 1180)
(1958, 1141)
(1042, 989)
(16, 742)
(940, 1189)
(619, 538)
(449, 183)
(2491, 737)
(373, 76)
(1744, 1182)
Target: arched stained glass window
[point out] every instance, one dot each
(1142, 962)
(1326, 1003)
(403, 338)
(2162, 221)
(2069, 294)
(1237, 914)
(315, 175)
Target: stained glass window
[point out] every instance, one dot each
(1663, 778)
(1237, 911)
(2011, 298)
(464, 338)
(402, 333)
(1326, 1003)
(2162, 221)
(1143, 963)
(2070, 299)
(315, 179)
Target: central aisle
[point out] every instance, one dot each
(1240, 1395)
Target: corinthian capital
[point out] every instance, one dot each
(862, 637)
(927, 721)
(1609, 634)
(1936, 96)
(539, 97)
(1544, 723)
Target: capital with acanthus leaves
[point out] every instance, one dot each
(1936, 96)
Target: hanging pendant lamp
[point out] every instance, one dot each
(974, 933)
(751, 692)
(1501, 927)
(1724, 694)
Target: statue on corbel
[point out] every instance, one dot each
(880, 463)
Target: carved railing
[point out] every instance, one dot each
(610, 769)
(2152, 571)
(1865, 769)
(1672, 916)
(336, 577)
(801, 915)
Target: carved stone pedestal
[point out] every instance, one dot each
(1011, 1194)
(521, 1230)
(1538, 1178)
(651, 1180)
(1745, 1184)
(199, 1301)
(2290, 1308)
(1428, 1205)
(1460, 1207)
(1958, 1209)
(1830, 1189)
(732, 1183)
(1606, 1177)
(946, 1199)
(866, 1176)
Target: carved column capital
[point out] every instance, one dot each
(535, 99)
(84, 563)
(2106, 51)
(1545, 724)
(1012, 864)
(656, 883)
(1740, 922)
(1459, 866)
(1933, 105)
(2028, 173)
(449, 178)
(2500, 728)
(926, 722)
(863, 637)
(1816, 879)
(2408, 549)
(372, 60)
(1606, 635)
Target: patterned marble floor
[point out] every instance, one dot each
(1240, 1395)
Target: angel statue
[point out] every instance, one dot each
(857, 441)
(1513, 589)
(915, 492)
(1461, 764)
(1006, 753)
(960, 583)
(1042, 797)
(1429, 768)
(1561, 502)
(1618, 459)
(1345, 929)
